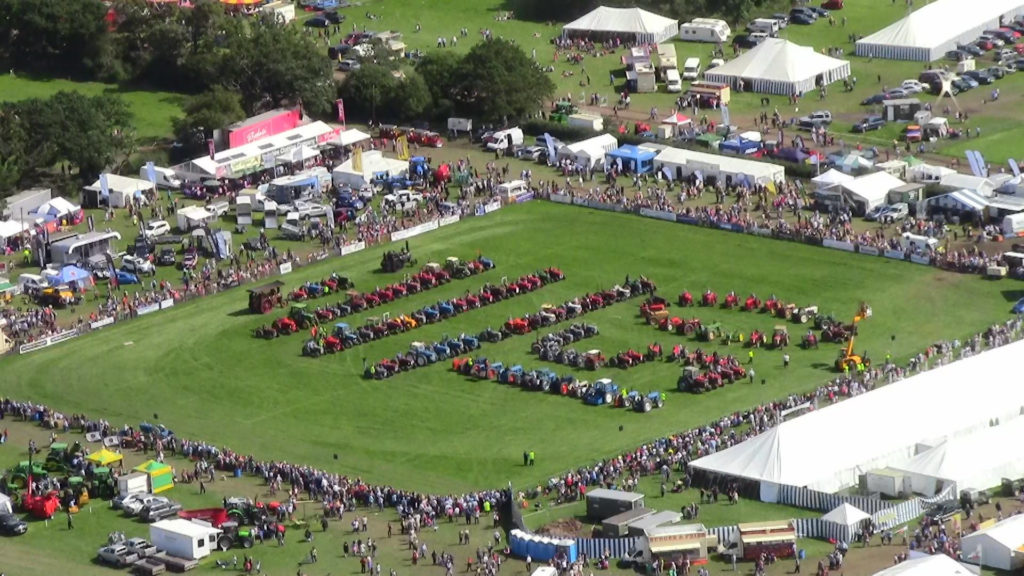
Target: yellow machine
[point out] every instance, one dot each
(847, 359)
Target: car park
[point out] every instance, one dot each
(912, 87)
(11, 525)
(137, 265)
(868, 124)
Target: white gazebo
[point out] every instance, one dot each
(847, 517)
(603, 21)
(830, 179)
(679, 122)
(777, 66)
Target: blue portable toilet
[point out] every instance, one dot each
(568, 547)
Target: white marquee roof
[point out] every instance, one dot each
(873, 187)
(940, 22)
(935, 565)
(780, 60)
(831, 178)
(846, 514)
(807, 451)
(604, 19)
(1009, 533)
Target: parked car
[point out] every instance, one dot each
(134, 507)
(992, 41)
(802, 18)
(943, 510)
(159, 510)
(750, 40)
(819, 11)
(816, 119)
(869, 123)
(912, 87)
(832, 4)
(137, 265)
(781, 18)
(979, 76)
(873, 99)
(873, 214)
(531, 153)
(140, 547)
(996, 72)
(896, 94)
(957, 55)
(334, 17)
(958, 85)
(898, 211)
(116, 555)
(971, 49)
(121, 500)
(156, 228)
(166, 257)
(349, 64)
(970, 81)
(11, 525)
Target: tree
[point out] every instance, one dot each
(205, 113)
(498, 81)
(68, 37)
(411, 98)
(95, 132)
(440, 70)
(369, 91)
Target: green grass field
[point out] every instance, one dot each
(199, 368)
(153, 111)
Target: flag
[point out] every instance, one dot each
(104, 187)
(551, 148)
(211, 147)
(667, 172)
(357, 159)
(725, 115)
(1014, 167)
(151, 173)
(341, 110)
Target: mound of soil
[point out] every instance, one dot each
(564, 528)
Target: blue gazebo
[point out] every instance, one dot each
(630, 159)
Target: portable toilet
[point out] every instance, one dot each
(568, 547)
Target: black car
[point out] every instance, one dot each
(166, 257)
(803, 11)
(334, 17)
(802, 19)
(747, 41)
(980, 76)
(869, 123)
(11, 525)
(875, 99)
(971, 49)
(943, 510)
(818, 11)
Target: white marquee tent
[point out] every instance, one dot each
(373, 162)
(681, 163)
(998, 546)
(646, 27)
(870, 190)
(777, 66)
(929, 32)
(935, 565)
(979, 460)
(849, 517)
(925, 408)
(590, 152)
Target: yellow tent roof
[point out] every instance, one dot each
(104, 457)
(151, 466)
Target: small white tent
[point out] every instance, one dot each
(778, 66)
(830, 179)
(848, 517)
(997, 546)
(935, 565)
(373, 162)
(589, 153)
(646, 27)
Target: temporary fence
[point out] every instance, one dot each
(48, 341)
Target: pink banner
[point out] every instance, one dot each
(276, 124)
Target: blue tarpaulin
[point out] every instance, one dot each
(69, 274)
(631, 159)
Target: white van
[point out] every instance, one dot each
(500, 139)
(691, 69)
(672, 81)
(29, 283)
(165, 177)
(765, 25)
(1013, 225)
(705, 30)
(918, 243)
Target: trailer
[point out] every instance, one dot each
(639, 527)
(617, 526)
(603, 503)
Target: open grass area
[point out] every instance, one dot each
(153, 111)
(198, 366)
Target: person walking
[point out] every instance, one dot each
(785, 360)
(71, 522)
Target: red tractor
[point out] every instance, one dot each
(685, 298)
(770, 305)
(731, 300)
(757, 339)
(709, 298)
(810, 340)
(299, 294)
(517, 326)
(593, 360)
(751, 303)
(780, 337)
(653, 351)
(628, 359)
(285, 326)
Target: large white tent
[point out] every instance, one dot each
(998, 546)
(929, 32)
(939, 404)
(682, 163)
(646, 27)
(373, 162)
(979, 460)
(777, 66)
(870, 190)
(935, 565)
(590, 152)
(830, 179)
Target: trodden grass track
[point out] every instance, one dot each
(199, 368)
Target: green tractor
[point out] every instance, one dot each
(17, 478)
(61, 455)
(562, 110)
(102, 483)
(302, 316)
(710, 332)
(233, 535)
(245, 512)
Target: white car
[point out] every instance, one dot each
(403, 197)
(303, 210)
(715, 62)
(120, 501)
(117, 555)
(913, 87)
(137, 265)
(133, 507)
(897, 211)
(156, 228)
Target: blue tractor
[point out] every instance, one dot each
(442, 350)
(640, 403)
(422, 354)
(544, 380)
(470, 342)
(602, 392)
(419, 168)
(511, 375)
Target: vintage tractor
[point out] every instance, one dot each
(462, 364)
(757, 339)
(313, 348)
(810, 340)
(593, 359)
(302, 316)
(263, 299)
(422, 354)
(770, 305)
(709, 298)
(691, 380)
(650, 401)
(731, 300)
(685, 298)
(336, 282)
(654, 351)
(457, 268)
(751, 303)
(517, 326)
(490, 335)
(805, 314)
(604, 391)
(342, 338)
(780, 337)
(835, 333)
(627, 359)
(63, 457)
(265, 332)
(395, 260)
(101, 483)
(710, 332)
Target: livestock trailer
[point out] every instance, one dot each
(603, 503)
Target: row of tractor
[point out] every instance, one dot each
(419, 355)
(550, 314)
(602, 392)
(548, 345)
(344, 336)
(62, 478)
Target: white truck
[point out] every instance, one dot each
(673, 83)
(588, 121)
(691, 69)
